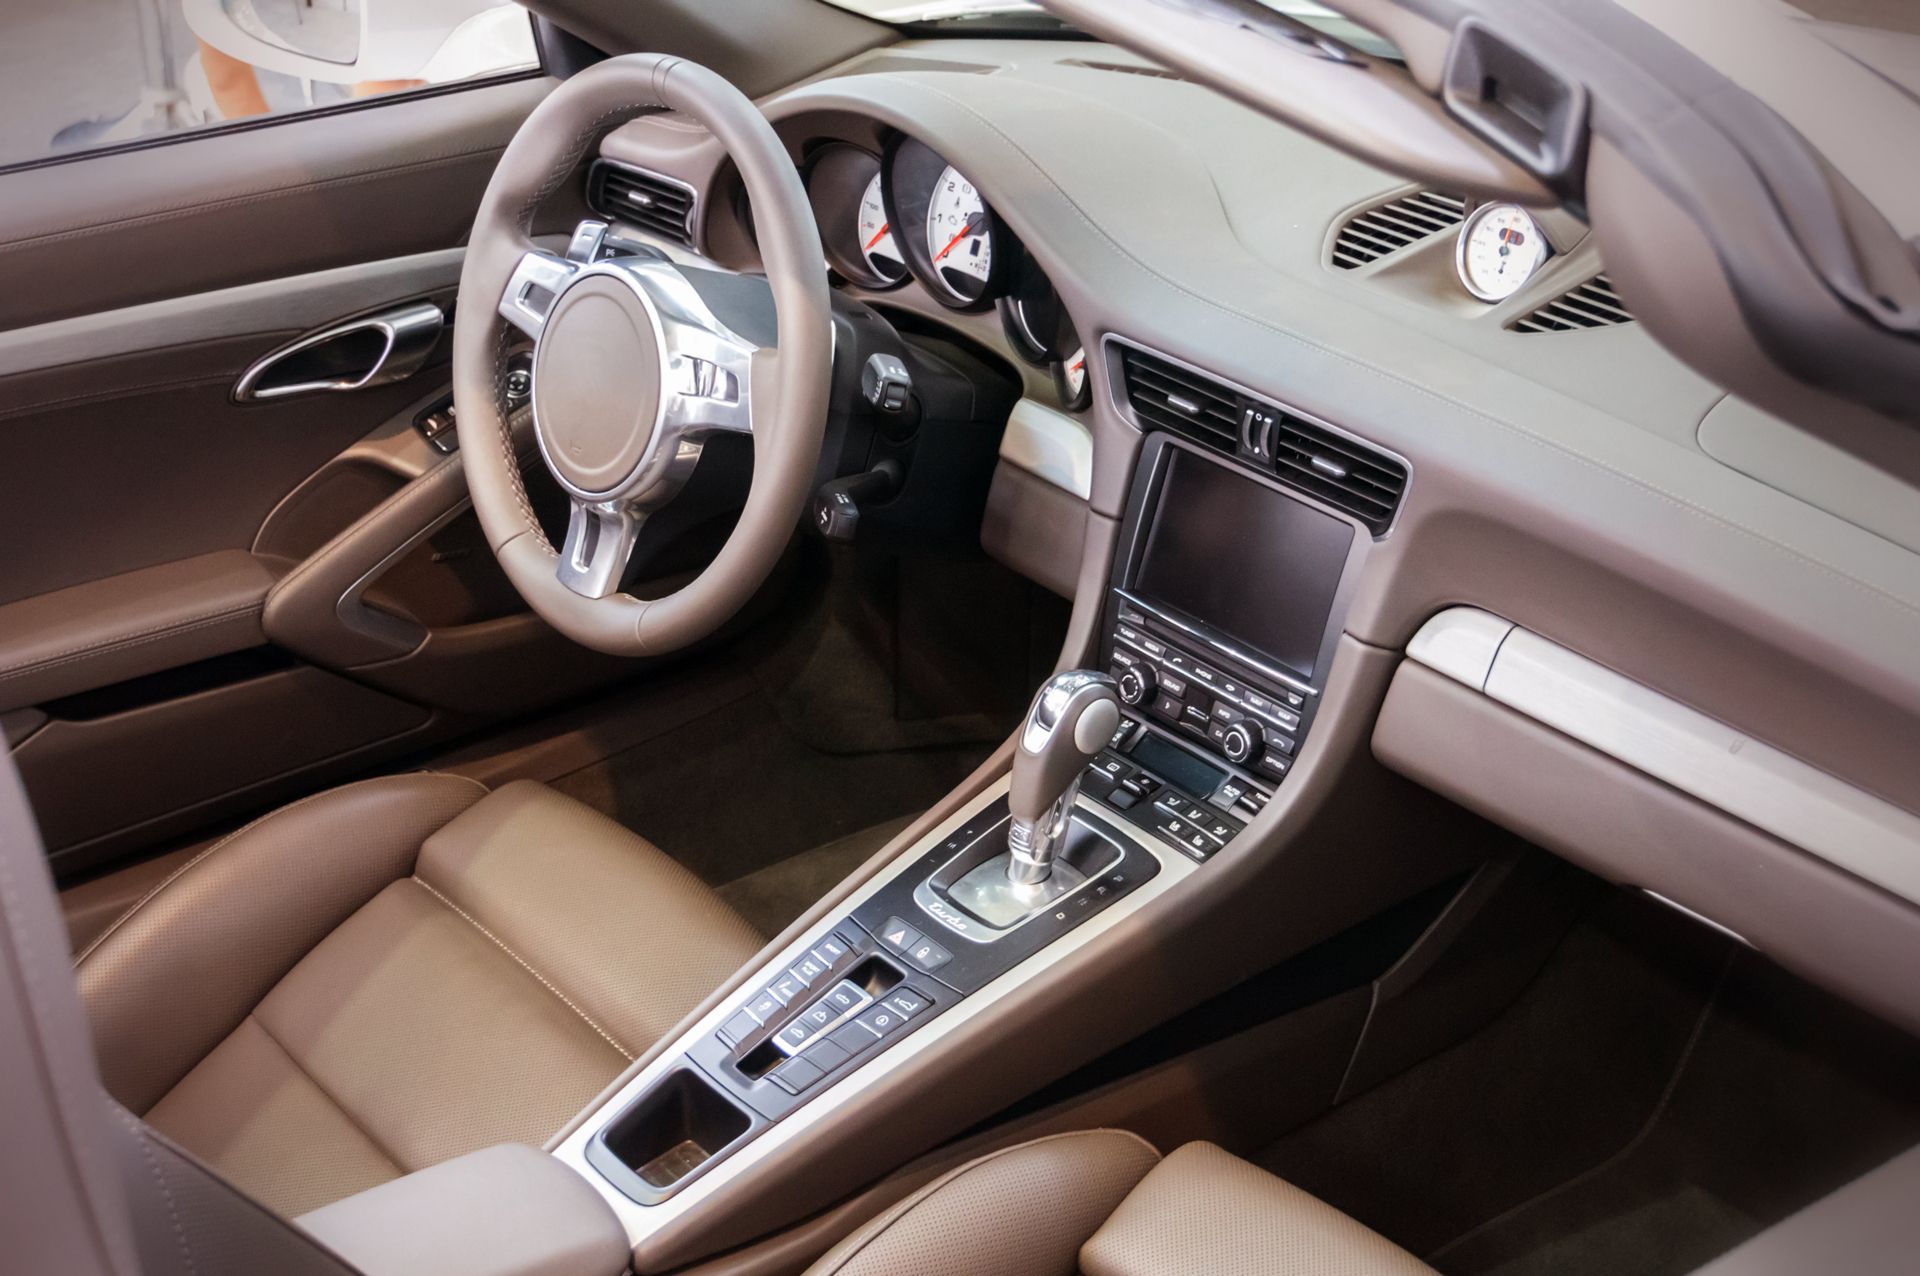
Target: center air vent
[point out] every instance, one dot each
(639, 198)
(1307, 456)
(1593, 304)
(1169, 397)
(1386, 228)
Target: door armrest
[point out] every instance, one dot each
(131, 625)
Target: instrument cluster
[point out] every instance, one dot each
(907, 215)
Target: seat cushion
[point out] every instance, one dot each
(1023, 1211)
(1203, 1210)
(1102, 1203)
(475, 987)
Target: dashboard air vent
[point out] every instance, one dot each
(1593, 304)
(639, 198)
(1346, 475)
(1303, 454)
(1386, 228)
(1167, 396)
(1124, 68)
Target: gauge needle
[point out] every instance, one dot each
(878, 235)
(969, 229)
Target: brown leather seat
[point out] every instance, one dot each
(1104, 1203)
(394, 973)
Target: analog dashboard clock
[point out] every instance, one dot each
(1500, 248)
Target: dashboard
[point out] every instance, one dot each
(1459, 383)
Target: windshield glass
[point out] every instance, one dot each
(964, 13)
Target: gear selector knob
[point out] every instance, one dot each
(1072, 718)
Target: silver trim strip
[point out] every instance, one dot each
(641, 1221)
(1461, 643)
(1051, 446)
(1698, 755)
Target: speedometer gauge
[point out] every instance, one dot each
(1500, 248)
(959, 237)
(876, 235)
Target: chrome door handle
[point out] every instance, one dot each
(355, 355)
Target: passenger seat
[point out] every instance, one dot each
(1104, 1203)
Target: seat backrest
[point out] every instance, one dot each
(85, 1187)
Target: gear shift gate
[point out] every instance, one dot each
(976, 880)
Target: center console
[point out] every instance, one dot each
(1218, 628)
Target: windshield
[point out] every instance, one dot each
(971, 13)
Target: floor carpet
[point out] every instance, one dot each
(1657, 1096)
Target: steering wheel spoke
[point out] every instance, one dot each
(537, 280)
(600, 540)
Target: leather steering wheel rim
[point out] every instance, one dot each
(787, 387)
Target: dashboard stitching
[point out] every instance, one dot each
(1871, 591)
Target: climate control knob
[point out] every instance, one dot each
(1243, 742)
(1137, 685)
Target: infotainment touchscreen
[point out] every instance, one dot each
(1259, 567)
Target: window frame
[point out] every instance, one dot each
(542, 34)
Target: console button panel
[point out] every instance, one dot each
(1205, 694)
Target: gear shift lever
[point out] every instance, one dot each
(1072, 718)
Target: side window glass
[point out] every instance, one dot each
(86, 74)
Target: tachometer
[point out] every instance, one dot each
(876, 235)
(959, 237)
(1500, 248)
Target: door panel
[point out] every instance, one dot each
(150, 519)
(123, 463)
(287, 196)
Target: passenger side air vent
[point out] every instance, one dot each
(1167, 396)
(1306, 455)
(650, 201)
(1386, 228)
(1594, 304)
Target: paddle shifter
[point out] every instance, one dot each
(1072, 719)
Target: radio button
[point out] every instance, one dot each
(1243, 740)
(1137, 685)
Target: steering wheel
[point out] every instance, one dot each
(636, 361)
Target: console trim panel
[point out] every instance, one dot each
(641, 1221)
(1698, 755)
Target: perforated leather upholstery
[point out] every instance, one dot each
(1102, 1203)
(393, 974)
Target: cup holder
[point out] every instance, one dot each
(668, 1135)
